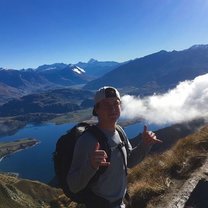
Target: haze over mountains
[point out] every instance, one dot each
(155, 73)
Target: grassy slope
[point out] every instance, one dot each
(21, 193)
(158, 174)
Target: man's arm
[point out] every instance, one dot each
(144, 145)
(87, 159)
(81, 170)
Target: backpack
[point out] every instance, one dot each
(62, 157)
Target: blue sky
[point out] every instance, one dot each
(36, 32)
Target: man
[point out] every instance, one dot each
(110, 187)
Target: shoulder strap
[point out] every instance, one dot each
(124, 138)
(124, 142)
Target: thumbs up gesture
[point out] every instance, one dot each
(98, 157)
(149, 137)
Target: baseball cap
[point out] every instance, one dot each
(105, 92)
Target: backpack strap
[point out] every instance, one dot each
(124, 139)
(124, 142)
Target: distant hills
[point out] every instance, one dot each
(157, 72)
(53, 101)
(49, 89)
(96, 68)
(15, 83)
(44, 78)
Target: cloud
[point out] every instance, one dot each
(189, 100)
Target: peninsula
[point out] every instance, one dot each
(7, 148)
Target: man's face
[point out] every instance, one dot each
(109, 109)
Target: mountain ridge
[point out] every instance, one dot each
(156, 72)
(49, 76)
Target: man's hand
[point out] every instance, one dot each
(98, 157)
(149, 137)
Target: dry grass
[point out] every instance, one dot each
(21, 193)
(155, 175)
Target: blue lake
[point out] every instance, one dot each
(36, 162)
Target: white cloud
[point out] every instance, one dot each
(187, 101)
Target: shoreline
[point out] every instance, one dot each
(1, 158)
(10, 125)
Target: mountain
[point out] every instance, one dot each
(20, 79)
(55, 74)
(66, 76)
(44, 76)
(46, 67)
(7, 93)
(51, 102)
(16, 83)
(96, 68)
(157, 72)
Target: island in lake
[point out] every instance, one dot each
(7, 148)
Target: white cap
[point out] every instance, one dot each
(105, 92)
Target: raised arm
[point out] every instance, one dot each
(142, 148)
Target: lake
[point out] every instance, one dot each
(36, 162)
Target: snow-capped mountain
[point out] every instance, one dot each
(78, 70)
(40, 79)
(50, 76)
